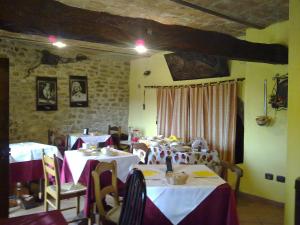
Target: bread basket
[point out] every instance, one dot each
(176, 178)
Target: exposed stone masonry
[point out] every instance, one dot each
(107, 92)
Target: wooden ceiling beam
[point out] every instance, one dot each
(215, 13)
(47, 17)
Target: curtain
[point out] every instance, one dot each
(207, 111)
(165, 102)
(180, 117)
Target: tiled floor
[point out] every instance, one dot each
(257, 212)
(251, 212)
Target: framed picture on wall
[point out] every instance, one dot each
(78, 91)
(46, 93)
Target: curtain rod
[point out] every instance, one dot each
(194, 85)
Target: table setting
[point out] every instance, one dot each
(78, 165)
(26, 160)
(200, 196)
(77, 140)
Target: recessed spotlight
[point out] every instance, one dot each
(59, 44)
(140, 46)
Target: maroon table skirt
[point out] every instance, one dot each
(219, 208)
(44, 218)
(86, 179)
(26, 171)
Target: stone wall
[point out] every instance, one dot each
(107, 91)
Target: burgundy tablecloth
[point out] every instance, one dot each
(86, 179)
(219, 208)
(44, 218)
(27, 171)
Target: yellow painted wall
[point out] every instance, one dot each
(265, 146)
(293, 154)
(160, 75)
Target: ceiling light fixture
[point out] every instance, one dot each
(59, 44)
(53, 40)
(140, 46)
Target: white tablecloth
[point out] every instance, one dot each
(76, 161)
(88, 139)
(27, 151)
(177, 201)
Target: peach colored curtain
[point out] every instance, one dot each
(201, 111)
(165, 102)
(213, 111)
(180, 115)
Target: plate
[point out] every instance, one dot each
(86, 152)
(111, 153)
(180, 148)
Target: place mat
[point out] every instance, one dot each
(204, 173)
(150, 173)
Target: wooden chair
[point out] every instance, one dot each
(58, 140)
(116, 133)
(111, 216)
(134, 202)
(236, 171)
(56, 192)
(142, 151)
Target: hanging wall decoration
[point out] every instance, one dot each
(264, 119)
(190, 66)
(46, 93)
(279, 96)
(78, 91)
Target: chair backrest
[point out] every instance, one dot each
(114, 130)
(115, 133)
(141, 150)
(100, 190)
(134, 202)
(51, 171)
(57, 139)
(227, 168)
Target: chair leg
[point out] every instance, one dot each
(46, 206)
(57, 203)
(78, 205)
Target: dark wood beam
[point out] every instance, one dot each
(4, 136)
(214, 13)
(47, 17)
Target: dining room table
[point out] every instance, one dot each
(77, 167)
(76, 140)
(25, 160)
(204, 198)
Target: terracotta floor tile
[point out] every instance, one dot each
(250, 212)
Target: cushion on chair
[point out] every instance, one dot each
(114, 214)
(68, 188)
(140, 153)
(157, 155)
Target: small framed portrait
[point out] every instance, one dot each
(46, 93)
(78, 91)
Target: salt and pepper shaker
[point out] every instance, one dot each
(169, 164)
(86, 131)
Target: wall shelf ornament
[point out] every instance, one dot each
(264, 120)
